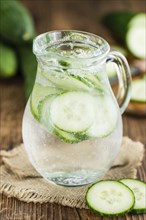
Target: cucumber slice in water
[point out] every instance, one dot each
(110, 198)
(73, 111)
(139, 189)
(68, 82)
(44, 112)
(135, 40)
(38, 94)
(139, 90)
(66, 136)
(136, 35)
(95, 81)
(105, 117)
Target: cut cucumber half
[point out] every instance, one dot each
(138, 20)
(105, 119)
(139, 189)
(135, 40)
(73, 111)
(68, 82)
(110, 198)
(136, 35)
(139, 90)
(38, 94)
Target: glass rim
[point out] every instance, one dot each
(103, 46)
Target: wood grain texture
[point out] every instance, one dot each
(51, 15)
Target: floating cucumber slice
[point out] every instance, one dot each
(38, 94)
(68, 82)
(73, 111)
(105, 117)
(44, 112)
(95, 81)
(139, 90)
(110, 198)
(139, 189)
(66, 136)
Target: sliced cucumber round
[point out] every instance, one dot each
(136, 35)
(73, 111)
(135, 40)
(44, 113)
(110, 198)
(139, 90)
(105, 117)
(66, 136)
(38, 94)
(94, 79)
(138, 20)
(68, 82)
(139, 189)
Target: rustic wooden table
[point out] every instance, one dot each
(49, 15)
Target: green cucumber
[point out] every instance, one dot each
(45, 120)
(139, 90)
(16, 24)
(105, 118)
(73, 111)
(128, 27)
(110, 198)
(135, 40)
(39, 93)
(68, 82)
(8, 61)
(94, 79)
(139, 189)
(66, 136)
(44, 112)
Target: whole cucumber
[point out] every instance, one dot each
(8, 61)
(16, 24)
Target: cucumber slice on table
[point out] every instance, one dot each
(110, 198)
(38, 94)
(139, 90)
(73, 111)
(139, 189)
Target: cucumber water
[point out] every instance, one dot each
(72, 120)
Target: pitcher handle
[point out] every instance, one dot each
(124, 77)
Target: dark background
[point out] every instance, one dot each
(82, 15)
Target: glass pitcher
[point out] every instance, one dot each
(72, 127)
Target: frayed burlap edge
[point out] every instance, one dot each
(24, 183)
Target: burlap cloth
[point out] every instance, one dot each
(19, 179)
